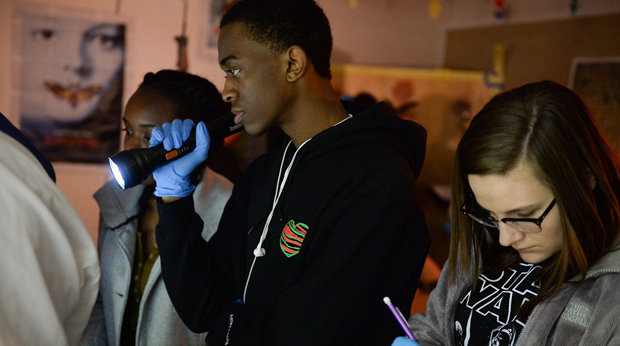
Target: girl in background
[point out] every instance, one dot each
(133, 307)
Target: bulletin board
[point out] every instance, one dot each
(597, 82)
(534, 51)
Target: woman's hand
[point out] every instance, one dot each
(404, 341)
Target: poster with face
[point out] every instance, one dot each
(71, 80)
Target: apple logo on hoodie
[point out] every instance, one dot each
(292, 237)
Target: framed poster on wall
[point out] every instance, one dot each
(69, 82)
(212, 13)
(597, 82)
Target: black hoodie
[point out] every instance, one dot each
(346, 231)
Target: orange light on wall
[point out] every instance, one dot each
(434, 8)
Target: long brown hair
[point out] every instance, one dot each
(549, 127)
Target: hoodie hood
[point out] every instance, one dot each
(374, 124)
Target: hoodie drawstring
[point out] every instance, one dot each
(260, 251)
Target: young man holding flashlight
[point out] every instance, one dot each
(316, 233)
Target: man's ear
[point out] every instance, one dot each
(297, 63)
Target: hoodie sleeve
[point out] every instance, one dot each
(196, 282)
(430, 328)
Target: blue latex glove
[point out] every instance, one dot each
(404, 341)
(173, 178)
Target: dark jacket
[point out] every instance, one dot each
(347, 231)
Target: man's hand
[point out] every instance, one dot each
(173, 179)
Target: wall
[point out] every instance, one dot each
(535, 51)
(385, 33)
(402, 32)
(376, 32)
(468, 14)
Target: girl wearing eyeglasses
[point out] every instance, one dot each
(535, 222)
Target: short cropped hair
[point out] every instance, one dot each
(280, 24)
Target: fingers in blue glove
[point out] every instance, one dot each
(203, 139)
(176, 133)
(167, 128)
(404, 341)
(180, 130)
(157, 136)
(172, 134)
(173, 178)
(186, 128)
(185, 165)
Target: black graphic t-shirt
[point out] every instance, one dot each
(487, 313)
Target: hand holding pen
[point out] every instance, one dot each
(404, 341)
(401, 341)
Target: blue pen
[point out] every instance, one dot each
(399, 317)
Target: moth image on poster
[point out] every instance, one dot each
(71, 86)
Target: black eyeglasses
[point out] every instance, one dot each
(526, 225)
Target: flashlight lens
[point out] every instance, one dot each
(117, 174)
